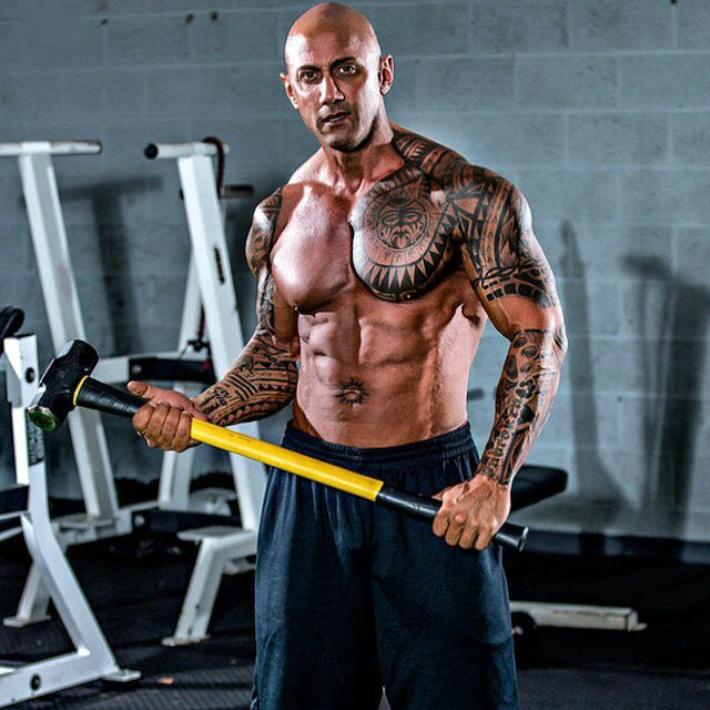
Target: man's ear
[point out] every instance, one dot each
(288, 86)
(386, 73)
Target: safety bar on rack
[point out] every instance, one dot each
(181, 150)
(9, 150)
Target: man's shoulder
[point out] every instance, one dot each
(270, 212)
(426, 154)
(264, 228)
(267, 212)
(290, 193)
(444, 164)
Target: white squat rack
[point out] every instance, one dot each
(103, 517)
(92, 658)
(209, 286)
(210, 273)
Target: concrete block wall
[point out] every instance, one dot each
(598, 109)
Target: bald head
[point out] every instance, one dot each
(336, 77)
(331, 19)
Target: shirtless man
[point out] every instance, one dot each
(378, 265)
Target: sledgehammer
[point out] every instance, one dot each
(66, 384)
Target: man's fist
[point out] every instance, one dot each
(165, 420)
(472, 512)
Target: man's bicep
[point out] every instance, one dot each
(523, 295)
(508, 268)
(275, 316)
(262, 233)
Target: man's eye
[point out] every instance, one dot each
(308, 77)
(347, 69)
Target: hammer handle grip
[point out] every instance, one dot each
(509, 535)
(104, 398)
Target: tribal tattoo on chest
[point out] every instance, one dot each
(401, 244)
(415, 223)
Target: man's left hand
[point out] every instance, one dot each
(472, 512)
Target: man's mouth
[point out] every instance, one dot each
(334, 118)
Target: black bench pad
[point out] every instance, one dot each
(13, 499)
(535, 483)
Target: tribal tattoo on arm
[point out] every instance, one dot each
(515, 284)
(415, 219)
(263, 379)
(524, 396)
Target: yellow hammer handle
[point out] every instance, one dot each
(300, 464)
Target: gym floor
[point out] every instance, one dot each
(135, 587)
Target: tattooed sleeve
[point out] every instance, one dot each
(525, 393)
(263, 379)
(515, 284)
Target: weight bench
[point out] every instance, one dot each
(532, 485)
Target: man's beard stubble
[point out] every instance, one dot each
(346, 146)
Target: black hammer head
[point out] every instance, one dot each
(55, 396)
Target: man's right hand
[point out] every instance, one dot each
(165, 420)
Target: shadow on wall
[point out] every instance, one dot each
(113, 251)
(599, 500)
(672, 382)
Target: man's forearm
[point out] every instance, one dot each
(525, 393)
(262, 382)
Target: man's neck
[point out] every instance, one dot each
(358, 170)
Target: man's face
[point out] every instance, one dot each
(336, 81)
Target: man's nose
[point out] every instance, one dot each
(330, 91)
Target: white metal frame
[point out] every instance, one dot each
(209, 285)
(92, 658)
(580, 616)
(61, 302)
(219, 547)
(210, 270)
(103, 517)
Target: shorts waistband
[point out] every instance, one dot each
(449, 445)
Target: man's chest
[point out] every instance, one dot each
(397, 241)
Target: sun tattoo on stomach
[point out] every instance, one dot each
(352, 392)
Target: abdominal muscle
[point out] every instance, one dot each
(376, 374)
